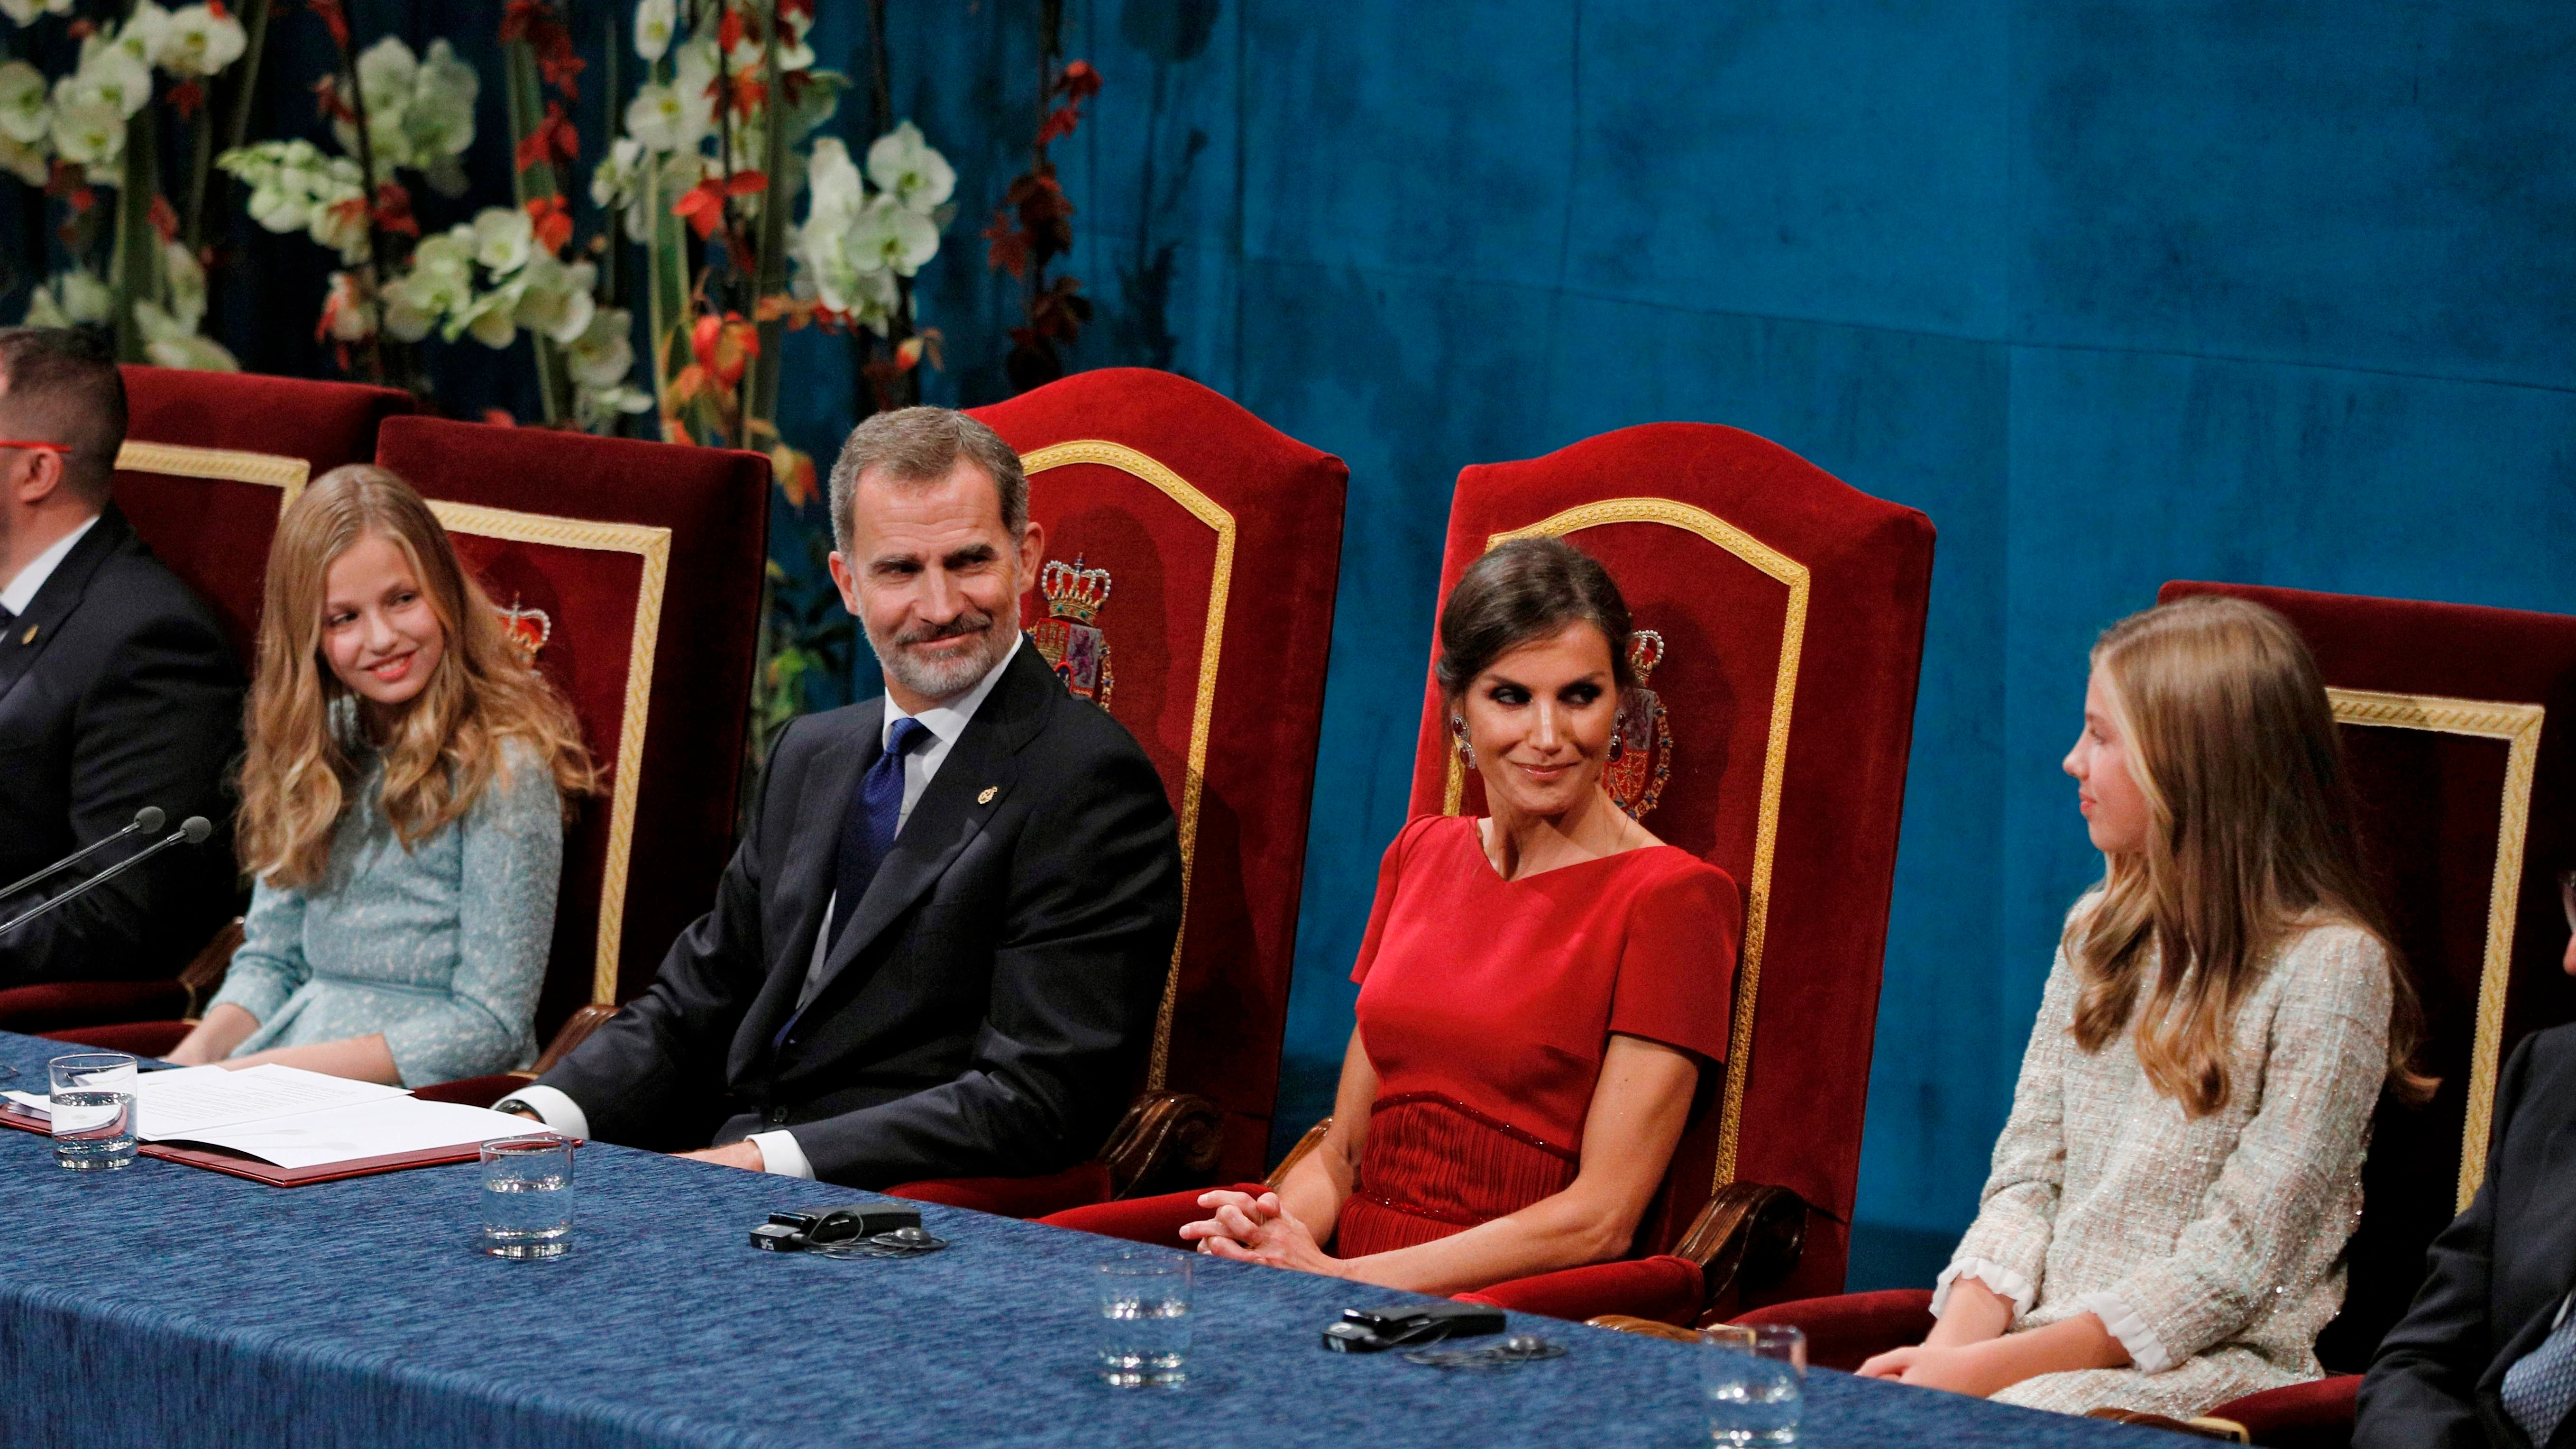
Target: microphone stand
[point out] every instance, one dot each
(193, 830)
(146, 820)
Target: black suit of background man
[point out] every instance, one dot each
(990, 1005)
(117, 691)
(2498, 1274)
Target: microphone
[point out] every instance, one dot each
(193, 830)
(146, 820)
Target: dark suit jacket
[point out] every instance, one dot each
(2497, 1274)
(127, 695)
(989, 1008)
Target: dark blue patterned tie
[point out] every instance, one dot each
(2541, 1385)
(868, 833)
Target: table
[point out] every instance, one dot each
(166, 1306)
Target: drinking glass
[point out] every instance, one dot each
(1754, 1378)
(92, 1110)
(1145, 1319)
(527, 1196)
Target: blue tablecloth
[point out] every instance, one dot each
(165, 1306)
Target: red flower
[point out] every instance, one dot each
(1008, 246)
(333, 18)
(554, 140)
(393, 210)
(163, 219)
(1079, 81)
(724, 345)
(185, 97)
(729, 30)
(1059, 124)
(328, 104)
(553, 222)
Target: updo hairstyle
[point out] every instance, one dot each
(1520, 593)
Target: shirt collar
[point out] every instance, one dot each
(22, 589)
(948, 720)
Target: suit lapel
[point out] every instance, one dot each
(970, 785)
(58, 598)
(804, 874)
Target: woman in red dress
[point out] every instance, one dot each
(1539, 989)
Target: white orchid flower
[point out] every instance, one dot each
(171, 343)
(386, 72)
(340, 223)
(406, 318)
(88, 132)
(440, 119)
(694, 76)
(187, 284)
(659, 119)
(346, 314)
(143, 36)
(599, 408)
(280, 208)
(198, 42)
(893, 236)
(504, 237)
(72, 298)
(23, 13)
(107, 76)
(491, 317)
(32, 164)
(604, 353)
(834, 181)
(26, 115)
(904, 166)
(557, 301)
(656, 21)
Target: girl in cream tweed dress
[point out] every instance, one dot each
(2164, 1226)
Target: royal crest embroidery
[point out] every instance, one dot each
(1641, 757)
(527, 628)
(1071, 643)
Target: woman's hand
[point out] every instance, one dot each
(1968, 1370)
(1259, 1230)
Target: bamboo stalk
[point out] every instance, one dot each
(769, 275)
(135, 273)
(524, 91)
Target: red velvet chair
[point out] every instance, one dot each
(2468, 815)
(633, 572)
(1787, 611)
(209, 460)
(1191, 559)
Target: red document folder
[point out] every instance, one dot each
(236, 1165)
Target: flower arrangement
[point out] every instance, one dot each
(1034, 224)
(95, 129)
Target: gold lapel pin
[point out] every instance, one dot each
(989, 792)
(30, 636)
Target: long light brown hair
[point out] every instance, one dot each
(441, 749)
(2233, 744)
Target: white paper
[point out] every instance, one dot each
(193, 1101)
(365, 1129)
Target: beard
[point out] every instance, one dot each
(952, 676)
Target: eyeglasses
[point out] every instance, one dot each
(64, 449)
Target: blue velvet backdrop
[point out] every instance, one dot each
(2116, 292)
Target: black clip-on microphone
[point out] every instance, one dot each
(146, 820)
(193, 830)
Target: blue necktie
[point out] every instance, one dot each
(868, 832)
(2541, 1386)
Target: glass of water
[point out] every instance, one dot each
(527, 1196)
(92, 1110)
(1754, 1377)
(1145, 1319)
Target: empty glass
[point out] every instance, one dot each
(1754, 1378)
(92, 1110)
(1145, 1319)
(527, 1196)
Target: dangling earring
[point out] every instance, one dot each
(1467, 752)
(1616, 748)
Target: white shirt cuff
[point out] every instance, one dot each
(556, 1110)
(2146, 1351)
(780, 1154)
(2004, 1281)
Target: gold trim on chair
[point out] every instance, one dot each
(653, 545)
(1775, 755)
(180, 461)
(2518, 725)
(1194, 781)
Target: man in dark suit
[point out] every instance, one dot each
(940, 948)
(117, 689)
(2487, 1355)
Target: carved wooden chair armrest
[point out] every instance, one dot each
(1166, 1139)
(2225, 1431)
(1749, 1234)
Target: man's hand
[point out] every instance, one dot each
(744, 1154)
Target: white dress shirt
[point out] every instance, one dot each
(22, 589)
(946, 722)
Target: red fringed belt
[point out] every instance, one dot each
(1434, 1166)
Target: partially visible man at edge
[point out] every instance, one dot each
(117, 688)
(939, 949)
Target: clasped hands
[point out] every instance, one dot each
(1970, 1368)
(1260, 1229)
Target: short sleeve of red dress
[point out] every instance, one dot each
(1486, 1007)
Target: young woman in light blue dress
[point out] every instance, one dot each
(402, 807)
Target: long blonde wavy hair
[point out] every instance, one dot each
(2233, 745)
(441, 749)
